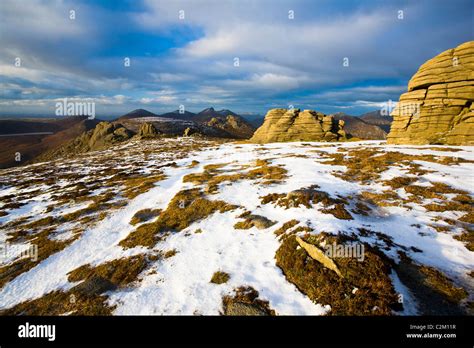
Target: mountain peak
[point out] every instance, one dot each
(137, 113)
(226, 112)
(211, 112)
(211, 109)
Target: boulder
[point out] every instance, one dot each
(251, 220)
(233, 125)
(438, 107)
(94, 286)
(102, 136)
(147, 130)
(282, 125)
(319, 255)
(243, 309)
(188, 132)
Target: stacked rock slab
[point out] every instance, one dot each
(282, 125)
(438, 107)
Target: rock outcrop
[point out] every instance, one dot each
(147, 130)
(438, 107)
(293, 125)
(101, 137)
(189, 131)
(236, 126)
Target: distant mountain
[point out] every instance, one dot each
(58, 137)
(186, 115)
(358, 128)
(137, 113)
(202, 117)
(376, 118)
(227, 121)
(255, 120)
(31, 146)
(226, 112)
(206, 114)
(174, 123)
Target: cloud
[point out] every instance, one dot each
(190, 61)
(166, 97)
(265, 82)
(102, 100)
(40, 18)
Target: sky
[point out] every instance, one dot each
(246, 56)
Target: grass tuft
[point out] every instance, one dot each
(220, 277)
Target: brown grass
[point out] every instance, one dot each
(245, 302)
(220, 277)
(434, 292)
(212, 176)
(59, 303)
(85, 298)
(45, 246)
(286, 226)
(251, 220)
(467, 237)
(193, 164)
(119, 272)
(399, 182)
(375, 294)
(339, 212)
(365, 165)
(386, 198)
(170, 253)
(307, 197)
(137, 185)
(144, 215)
(469, 217)
(185, 208)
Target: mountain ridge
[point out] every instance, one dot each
(357, 127)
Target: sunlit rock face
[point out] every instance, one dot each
(438, 107)
(282, 125)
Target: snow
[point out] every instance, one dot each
(30, 209)
(181, 284)
(410, 306)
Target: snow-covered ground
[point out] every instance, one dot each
(181, 284)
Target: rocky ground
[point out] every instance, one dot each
(191, 226)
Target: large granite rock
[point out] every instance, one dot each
(438, 107)
(293, 125)
(104, 135)
(101, 137)
(147, 130)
